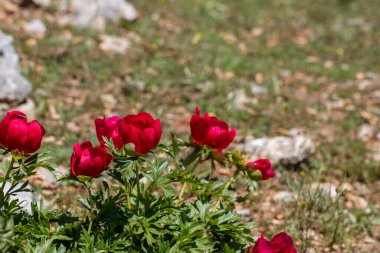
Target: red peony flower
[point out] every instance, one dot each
(87, 160)
(210, 131)
(109, 128)
(17, 134)
(142, 130)
(264, 166)
(280, 243)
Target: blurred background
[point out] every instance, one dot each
(300, 80)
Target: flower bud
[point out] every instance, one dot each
(16, 134)
(109, 128)
(264, 166)
(280, 243)
(142, 130)
(210, 131)
(87, 160)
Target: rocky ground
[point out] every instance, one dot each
(299, 80)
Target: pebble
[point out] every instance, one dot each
(114, 44)
(365, 132)
(259, 90)
(357, 201)
(283, 196)
(35, 28)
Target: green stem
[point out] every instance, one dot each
(182, 191)
(9, 169)
(220, 198)
(188, 160)
(91, 202)
(138, 186)
(128, 193)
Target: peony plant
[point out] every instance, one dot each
(142, 196)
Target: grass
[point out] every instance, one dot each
(203, 53)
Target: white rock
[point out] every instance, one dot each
(95, 14)
(283, 196)
(36, 28)
(259, 90)
(26, 198)
(365, 132)
(13, 86)
(281, 149)
(114, 44)
(243, 212)
(43, 3)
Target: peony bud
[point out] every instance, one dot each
(264, 166)
(18, 135)
(280, 243)
(210, 131)
(109, 128)
(142, 130)
(87, 160)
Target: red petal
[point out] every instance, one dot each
(262, 246)
(198, 111)
(282, 243)
(158, 129)
(147, 139)
(73, 164)
(129, 133)
(35, 134)
(200, 128)
(17, 134)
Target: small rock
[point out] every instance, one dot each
(371, 82)
(327, 188)
(281, 149)
(283, 196)
(43, 3)
(357, 201)
(259, 90)
(243, 212)
(13, 86)
(95, 14)
(35, 28)
(26, 198)
(365, 132)
(346, 187)
(109, 101)
(240, 99)
(114, 44)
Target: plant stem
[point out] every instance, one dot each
(182, 191)
(188, 160)
(138, 186)
(225, 188)
(9, 169)
(91, 207)
(128, 193)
